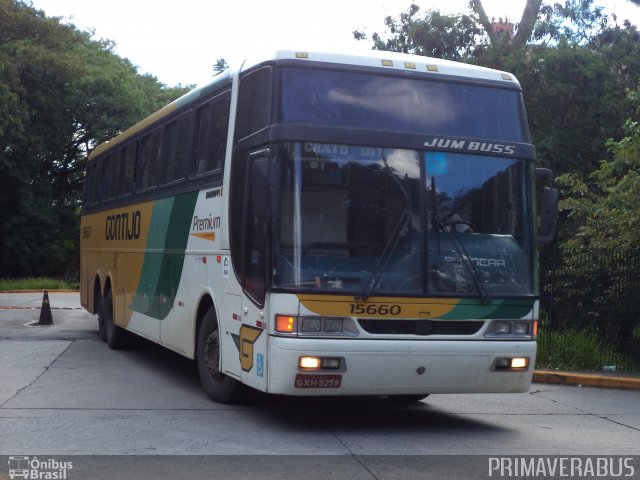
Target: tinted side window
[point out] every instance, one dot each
(98, 181)
(112, 164)
(179, 136)
(128, 168)
(89, 180)
(254, 102)
(212, 123)
(150, 160)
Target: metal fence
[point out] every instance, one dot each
(590, 309)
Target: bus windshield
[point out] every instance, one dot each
(367, 220)
(409, 105)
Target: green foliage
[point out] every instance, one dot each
(602, 208)
(40, 283)
(574, 349)
(574, 103)
(220, 66)
(452, 37)
(61, 93)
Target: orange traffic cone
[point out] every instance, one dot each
(45, 311)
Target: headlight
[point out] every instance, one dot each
(510, 329)
(315, 326)
(502, 328)
(310, 324)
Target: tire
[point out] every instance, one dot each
(117, 338)
(407, 399)
(218, 386)
(99, 302)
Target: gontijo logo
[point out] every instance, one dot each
(36, 469)
(123, 226)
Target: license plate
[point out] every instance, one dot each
(318, 381)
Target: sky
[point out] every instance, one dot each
(179, 42)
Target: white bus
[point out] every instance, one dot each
(324, 224)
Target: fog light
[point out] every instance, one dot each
(285, 323)
(309, 363)
(519, 362)
(502, 363)
(330, 363)
(502, 328)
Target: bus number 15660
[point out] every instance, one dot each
(375, 309)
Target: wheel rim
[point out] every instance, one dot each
(212, 356)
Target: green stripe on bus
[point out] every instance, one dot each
(164, 256)
(473, 308)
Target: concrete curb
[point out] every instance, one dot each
(587, 379)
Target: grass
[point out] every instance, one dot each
(577, 350)
(40, 283)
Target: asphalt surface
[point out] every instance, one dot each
(141, 414)
(71, 322)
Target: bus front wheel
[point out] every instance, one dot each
(218, 386)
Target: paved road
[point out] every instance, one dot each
(63, 392)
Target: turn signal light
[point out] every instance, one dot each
(285, 323)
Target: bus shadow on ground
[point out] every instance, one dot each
(344, 412)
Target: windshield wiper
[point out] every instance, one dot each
(440, 224)
(400, 231)
(482, 290)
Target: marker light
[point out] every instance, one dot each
(285, 323)
(309, 363)
(535, 328)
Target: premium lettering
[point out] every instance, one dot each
(205, 224)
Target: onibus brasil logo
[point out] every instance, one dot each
(36, 469)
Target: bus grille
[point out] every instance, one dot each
(420, 327)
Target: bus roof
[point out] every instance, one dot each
(392, 60)
(375, 59)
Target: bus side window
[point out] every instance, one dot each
(111, 164)
(150, 160)
(99, 181)
(249, 224)
(178, 147)
(127, 168)
(254, 102)
(212, 123)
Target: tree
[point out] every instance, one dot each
(573, 67)
(61, 93)
(220, 66)
(501, 40)
(452, 37)
(603, 206)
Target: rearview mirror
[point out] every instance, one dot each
(548, 207)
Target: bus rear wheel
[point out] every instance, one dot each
(99, 308)
(218, 386)
(117, 338)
